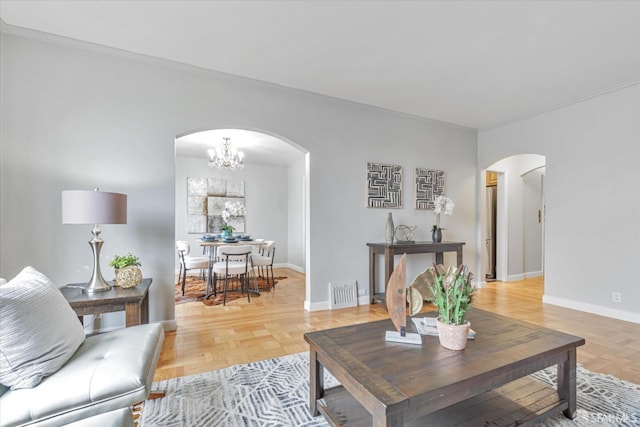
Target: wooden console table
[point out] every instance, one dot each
(391, 249)
(133, 301)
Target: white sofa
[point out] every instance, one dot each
(102, 377)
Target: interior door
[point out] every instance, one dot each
(490, 226)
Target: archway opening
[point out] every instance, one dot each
(512, 218)
(271, 186)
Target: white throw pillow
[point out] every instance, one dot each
(38, 328)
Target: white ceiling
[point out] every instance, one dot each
(473, 63)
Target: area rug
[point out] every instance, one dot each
(275, 392)
(195, 290)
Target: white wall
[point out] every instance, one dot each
(266, 200)
(79, 116)
(592, 236)
(296, 216)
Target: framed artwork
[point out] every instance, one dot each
(384, 185)
(429, 183)
(205, 202)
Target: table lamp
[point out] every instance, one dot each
(94, 207)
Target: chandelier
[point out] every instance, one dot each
(225, 156)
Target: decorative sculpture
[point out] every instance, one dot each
(422, 284)
(404, 233)
(396, 300)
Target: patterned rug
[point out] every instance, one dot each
(195, 290)
(275, 392)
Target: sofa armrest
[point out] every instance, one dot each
(108, 371)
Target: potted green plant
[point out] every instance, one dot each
(126, 270)
(226, 230)
(453, 295)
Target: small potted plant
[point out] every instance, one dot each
(126, 270)
(226, 230)
(452, 294)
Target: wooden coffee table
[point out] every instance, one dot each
(391, 384)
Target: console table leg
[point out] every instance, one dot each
(389, 255)
(440, 258)
(372, 275)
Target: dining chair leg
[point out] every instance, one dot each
(184, 279)
(255, 284)
(224, 297)
(212, 284)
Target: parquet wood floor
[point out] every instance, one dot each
(273, 325)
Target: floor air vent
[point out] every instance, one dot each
(343, 294)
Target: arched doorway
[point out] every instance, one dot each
(516, 198)
(271, 185)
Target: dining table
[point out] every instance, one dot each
(210, 246)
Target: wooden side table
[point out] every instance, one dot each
(133, 301)
(389, 250)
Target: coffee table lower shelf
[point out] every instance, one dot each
(524, 402)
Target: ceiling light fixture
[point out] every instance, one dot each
(226, 156)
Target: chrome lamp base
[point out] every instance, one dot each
(97, 282)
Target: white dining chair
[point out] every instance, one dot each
(234, 261)
(189, 262)
(263, 260)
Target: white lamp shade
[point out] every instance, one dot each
(93, 207)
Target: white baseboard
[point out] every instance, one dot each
(364, 300)
(291, 266)
(316, 306)
(522, 276)
(478, 284)
(531, 274)
(593, 309)
(324, 305)
(169, 325)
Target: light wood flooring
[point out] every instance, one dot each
(273, 325)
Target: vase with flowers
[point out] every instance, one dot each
(442, 205)
(452, 294)
(231, 210)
